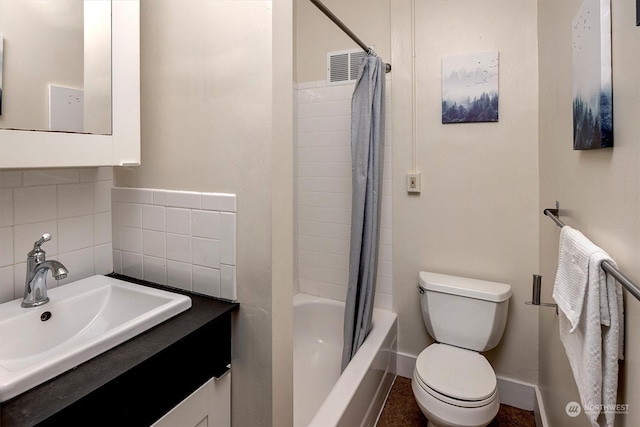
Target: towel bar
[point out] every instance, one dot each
(606, 265)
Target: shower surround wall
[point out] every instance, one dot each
(323, 189)
(73, 205)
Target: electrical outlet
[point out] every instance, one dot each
(413, 182)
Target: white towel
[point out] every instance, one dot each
(591, 322)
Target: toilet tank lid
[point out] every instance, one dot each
(463, 286)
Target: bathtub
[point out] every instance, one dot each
(323, 397)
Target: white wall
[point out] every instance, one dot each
(211, 123)
(598, 191)
(477, 215)
(73, 205)
(316, 34)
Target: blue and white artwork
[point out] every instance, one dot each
(592, 94)
(470, 88)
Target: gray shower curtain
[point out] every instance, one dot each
(367, 158)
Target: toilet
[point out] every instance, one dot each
(453, 384)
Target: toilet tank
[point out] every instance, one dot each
(463, 312)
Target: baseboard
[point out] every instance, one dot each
(405, 363)
(516, 393)
(512, 392)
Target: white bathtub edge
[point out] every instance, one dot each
(331, 412)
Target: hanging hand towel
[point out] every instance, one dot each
(572, 276)
(591, 322)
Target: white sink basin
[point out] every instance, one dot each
(86, 318)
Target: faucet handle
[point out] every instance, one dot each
(45, 238)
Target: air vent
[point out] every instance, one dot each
(343, 66)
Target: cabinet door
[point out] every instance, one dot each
(209, 406)
(220, 402)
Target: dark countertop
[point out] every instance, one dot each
(177, 347)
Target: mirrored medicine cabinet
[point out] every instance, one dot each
(117, 143)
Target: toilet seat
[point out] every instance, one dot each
(456, 376)
(440, 413)
(455, 402)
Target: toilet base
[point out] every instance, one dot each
(441, 414)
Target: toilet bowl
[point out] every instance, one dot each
(455, 387)
(453, 384)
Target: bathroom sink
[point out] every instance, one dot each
(82, 320)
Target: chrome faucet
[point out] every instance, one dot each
(35, 287)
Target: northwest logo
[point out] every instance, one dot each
(573, 409)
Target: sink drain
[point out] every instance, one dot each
(45, 316)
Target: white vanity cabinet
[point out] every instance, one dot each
(208, 406)
(176, 374)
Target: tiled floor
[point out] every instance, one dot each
(401, 410)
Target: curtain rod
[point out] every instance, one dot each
(324, 9)
(606, 265)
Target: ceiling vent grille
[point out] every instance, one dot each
(343, 66)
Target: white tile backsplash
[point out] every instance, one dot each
(34, 204)
(154, 269)
(179, 275)
(188, 239)
(178, 221)
(323, 198)
(153, 218)
(6, 277)
(80, 263)
(10, 179)
(50, 176)
(103, 258)
(205, 224)
(178, 247)
(228, 238)
(219, 202)
(206, 280)
(205, 252)
(75, 233)
(228, 282)
(130, 215)
(133, 195)
(132, 264)
(154, 243)
(75, 200)
(6, 248)
(183, 199)
(102, 196)
(131, 239)
(102, 228)
(6, 207)
(73, 205)
(96, 175)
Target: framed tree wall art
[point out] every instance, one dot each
(470, 88)
(592, 93)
